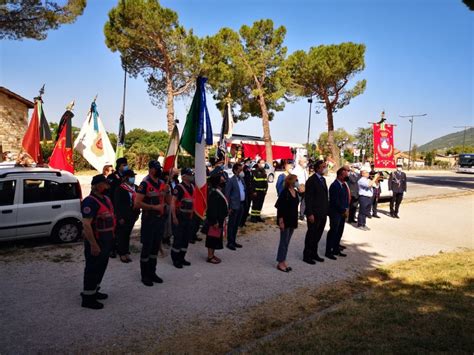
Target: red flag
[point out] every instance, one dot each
(172, 150)
(31, 139)
(62, 158)
(383, 146)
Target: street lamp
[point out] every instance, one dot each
(412, 117)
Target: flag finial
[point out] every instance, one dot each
(70, 106)
(41, 91)
(95, 97)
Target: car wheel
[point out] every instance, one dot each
(270, 178)
(67, 231)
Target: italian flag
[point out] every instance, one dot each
(198, 125)
(172, 151)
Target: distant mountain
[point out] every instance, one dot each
(448, 141)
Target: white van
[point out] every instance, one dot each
(39, 202)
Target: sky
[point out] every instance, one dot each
(419, 59)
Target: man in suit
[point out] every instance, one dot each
(339, 198)
(352, 179)
(235, 194)
(397, 183)
(316, 211)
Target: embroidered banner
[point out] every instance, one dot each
(383, 146)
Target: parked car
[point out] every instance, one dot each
(270, 170)
(39, 202)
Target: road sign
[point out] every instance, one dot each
(357, 152)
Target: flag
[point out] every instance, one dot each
(198, 124)
(226, 131)
(383, 146)
(172, 151)
(93, 143)
(38, 130)
(62, 158)
(121, 138)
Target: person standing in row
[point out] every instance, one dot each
(397, 183)
(352, 179)
(366, 195)
(280, 184)
(126, 214)
(235, 195)
(316, 210)
(259, 190)
(301, 172)
(377, 188)
(107, 170)
(182, 216)
(98, 221)
(339, 200)
(248, 188)
(153, 198)
(217, 211)
(287, 219)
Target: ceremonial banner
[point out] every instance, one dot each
(62, 158)
(93, 143)
(197, 124)
(121, 138)
(172, 151)
(226, 131)
(383, 146)
(38, 130)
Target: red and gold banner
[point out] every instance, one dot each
(383, 146)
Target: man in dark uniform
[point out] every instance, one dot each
(99, 225)
(316, 211)
(153, 198)
(354, 187)
(259, 190)
(248, 188)
(377, 189)
(397, 183)
(182, 216)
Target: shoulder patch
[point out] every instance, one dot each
(86, 210)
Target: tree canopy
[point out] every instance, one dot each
(34, 18)
(340, 135)
(154, 45)
(324, 72)
(246, 68)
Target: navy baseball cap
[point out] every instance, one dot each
(186, 171)
(98, 179)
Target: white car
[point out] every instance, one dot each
(39, 202)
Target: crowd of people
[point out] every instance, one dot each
(165, 202)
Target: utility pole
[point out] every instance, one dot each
(411, 119)
(464, 136)
(310, 100)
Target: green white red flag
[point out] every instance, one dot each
(172, 151)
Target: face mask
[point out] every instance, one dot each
(305, 166)
(241, 175)
(325, 171)
(125, 168)
(399, 169)
(131, 180)
(262, 166)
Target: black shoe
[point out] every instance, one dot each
(330, 256)
(301, 218)
(376, 216)
(309, 261)
(198, 239)
(317, 258)
(369, 216)
(178, 265)
(341, 254)
(237, 245)
(397, 216)
(185, 263)
(342, 247)
(192, 241)
(231, 247)
(147, 281)
(253, 219)
(157, 279)
(113, 254)
(260, 219)
(101, 296)
(89, 301)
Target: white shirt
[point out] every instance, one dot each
(364, 188)
(241, 189)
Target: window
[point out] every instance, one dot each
(7, 192)
(46, 190)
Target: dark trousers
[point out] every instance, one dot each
(302, 205)
(123, 232)
(313, 236)
(151, 234)
(285, 236)
(257, 203)
(235, 216)
(96, 265)
(395, 202)
(375, 203)
(245, 212)
(364, 209)
(334, 236)
(196, 226)
(353, 208)
(183, 232)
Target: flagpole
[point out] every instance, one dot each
(124, 91)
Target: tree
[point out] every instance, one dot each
(430, 158)
(246, 68)
(365, 140)
(469, 4)
(324, 72)
(340, 135)
(33, 18)
(413, 153)
(154, 45)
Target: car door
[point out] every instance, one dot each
(8, 208)
(38, 210)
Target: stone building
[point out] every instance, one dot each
(13, 120)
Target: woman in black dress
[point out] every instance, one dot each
(217, 211)
(287, 219)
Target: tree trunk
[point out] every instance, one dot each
(169, 106)
(332, 145)
(266, 130)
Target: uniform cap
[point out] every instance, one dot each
(154, 164)
(97, 179)
(186, 171)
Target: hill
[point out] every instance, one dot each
(448, 141)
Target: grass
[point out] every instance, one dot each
(421, 305)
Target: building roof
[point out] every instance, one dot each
(17, 97)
